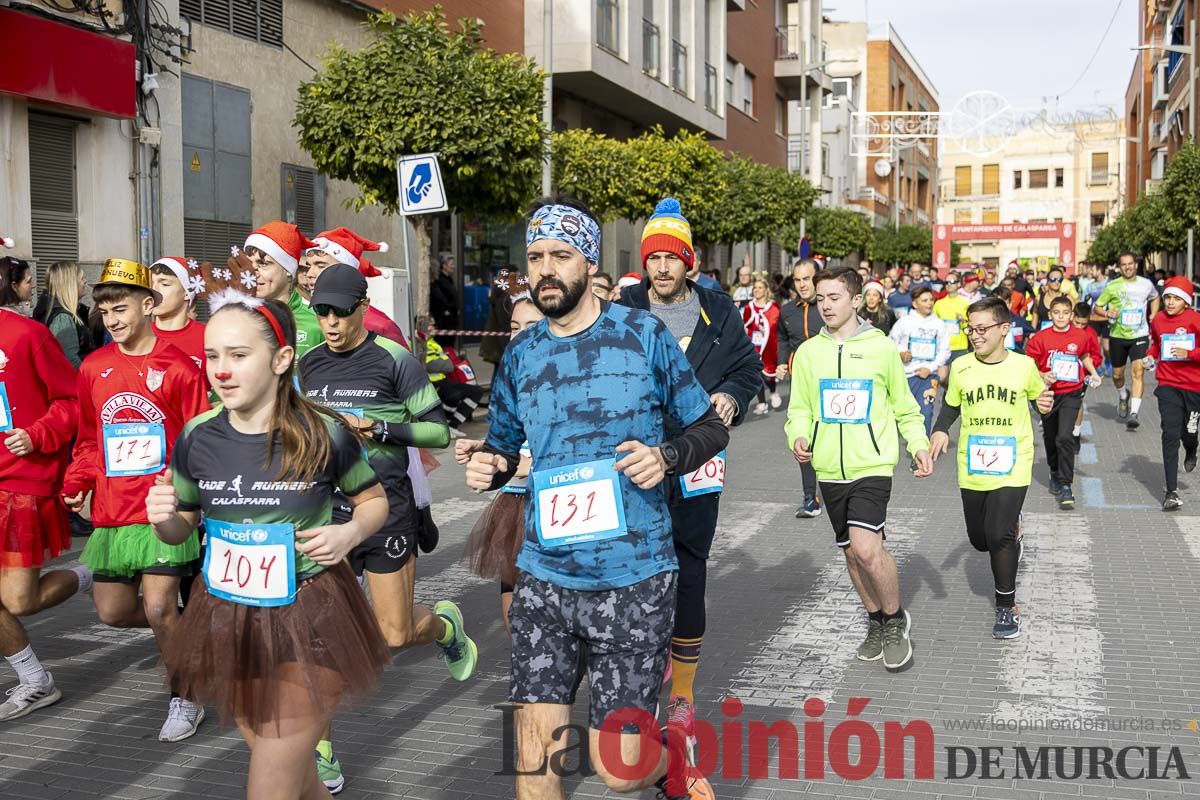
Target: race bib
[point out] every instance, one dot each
(518, 485)
(6, 422)
(1010, 338)
(923, 348)
(1132, 317)
(953, 328)
(134, 448)
(709, 479)
(465, 370)
(1064, 367)
(846, 400)
(991, 455)
(250, 564)
(1169, 341)
(578, 504)
(759, 339)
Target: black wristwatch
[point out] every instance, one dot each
(378, 430)
(670, 456)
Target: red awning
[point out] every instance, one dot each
(57, 64)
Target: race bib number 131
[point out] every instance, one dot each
(578, 504)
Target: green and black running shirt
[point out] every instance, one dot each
(220, 471)
(378, 380)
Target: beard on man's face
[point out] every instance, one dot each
(568, 298)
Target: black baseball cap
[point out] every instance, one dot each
(340, 286)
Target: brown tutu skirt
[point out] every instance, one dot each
(497, 537)
(277, 669)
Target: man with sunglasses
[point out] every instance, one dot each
(344, 246)
(1125, 300)
(380, 389)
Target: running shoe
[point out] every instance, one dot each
(1189, 462)
(1066, 500)
(330, 773)
(1055, 487)
(1122, 407)
(455, 433)
(776, 400)
(460, 652)
(1170, 503)
(698, 788)
(25, 698)
(810, 509)
(682, 714)
(1132, 423)
(1008, 623)
(183, 718)
(897, 647)
(872, 647)
(761, 408)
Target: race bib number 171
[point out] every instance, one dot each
(134, 448)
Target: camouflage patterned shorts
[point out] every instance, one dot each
(625, 635)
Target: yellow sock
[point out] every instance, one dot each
(325, 748)
(685, 657)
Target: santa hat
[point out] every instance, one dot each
(7, 241)
(970, 277)
(282, 242)
(187, 270)
(367, 269)
(629, 279)
(1181, 287)
(875, 286)
(347, 247)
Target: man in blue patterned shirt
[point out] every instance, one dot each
(594, 388)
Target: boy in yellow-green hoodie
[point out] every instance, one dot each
(849, 393)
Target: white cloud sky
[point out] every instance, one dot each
(1029, 51)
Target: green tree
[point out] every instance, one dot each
(838, 232)
(418, 87)
(902, 245)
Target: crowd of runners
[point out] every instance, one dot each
(257, 493)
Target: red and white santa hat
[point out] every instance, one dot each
(7, 241)
(282, 242)
(187, 270)
(1181, 287)
(347, 247)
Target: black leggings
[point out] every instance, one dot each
(766, 390)
(1175, 407)
(992, 528)
(689, 600)
(1059, 437)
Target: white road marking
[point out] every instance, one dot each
(1189, 528)
(744, 519)
(1056, 667)
(811, 651)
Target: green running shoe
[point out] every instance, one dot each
(330, 773)
(897, 648)
(872, 647)
(460, 652)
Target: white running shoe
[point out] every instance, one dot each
(455, 433)
(776, 400)
(25, 698)
(183, 718)
(761, 409)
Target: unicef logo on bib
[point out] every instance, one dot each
(259, 536)
(586, 473)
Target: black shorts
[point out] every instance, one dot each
(625, 635)
(1121, 351)
(859, 504)
(1101, 328)
(383, 553)
(177, 570)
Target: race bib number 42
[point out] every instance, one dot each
(6, 422)
(709, 479)
(846, 400)
(578, 504)
(250, 564)
(991, 455)
(134, 448)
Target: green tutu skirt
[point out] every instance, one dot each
(125, 551)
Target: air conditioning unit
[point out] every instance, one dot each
(1158, 164)
(1161, 89)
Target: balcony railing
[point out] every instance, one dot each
(1099, 177)
(679, 67)
(651, 51)
(787, 42)
(710, 87)
(608, 25)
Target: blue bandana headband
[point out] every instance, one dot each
(566, 224)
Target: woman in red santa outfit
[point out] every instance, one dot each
(761, 318)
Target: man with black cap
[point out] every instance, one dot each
(380, 389)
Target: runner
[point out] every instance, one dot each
(134, 397)
(177, 281)
(344, 246)
(1173, 337)
(273, 253)
(1065, 356)
(380, 390)
(952, 311)
(991, 390)
(278, 651)
(709, 329)
(1081, 319)
(1125, 299)
(761, 319)
(924, 348)
(849, 394)
(39, 411)
(800, 321)
(569, 385)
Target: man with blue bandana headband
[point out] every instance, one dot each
(594, 388)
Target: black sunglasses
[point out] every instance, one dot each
(323, 309)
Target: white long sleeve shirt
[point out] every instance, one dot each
(925, 338)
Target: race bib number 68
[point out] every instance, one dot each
(846, 400)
